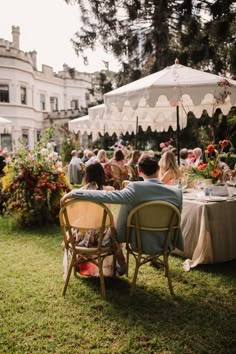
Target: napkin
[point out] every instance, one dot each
(220, 191)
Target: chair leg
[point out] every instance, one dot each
(114, 265)
(102, 281)
(133, 285)
(127, 262)
(167, 273)
(68, 275)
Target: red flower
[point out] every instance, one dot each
(210, 148)
(224, 143)
(202, 166)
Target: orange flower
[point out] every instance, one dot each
(210, 148)
(215, 173)
(202, 166)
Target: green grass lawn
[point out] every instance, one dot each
(35, 318)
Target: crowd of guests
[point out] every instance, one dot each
(123, 165)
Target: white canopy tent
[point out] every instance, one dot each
(164, 98)
(96, 122)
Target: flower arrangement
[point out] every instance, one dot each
(166, 144)
(206, 170)
(35, 182)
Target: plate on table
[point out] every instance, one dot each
(188, 190)
(214, 198)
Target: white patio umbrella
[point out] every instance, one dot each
(164, 98)
(4, 121)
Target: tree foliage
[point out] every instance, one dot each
(147, 35)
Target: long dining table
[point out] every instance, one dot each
(209, 229)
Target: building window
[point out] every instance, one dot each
(54, 103)
(25, 137)
(6, 141)
(87, 98)
(23, 95)
(42, 102)
(4, 93)
(38, 135)
(74, 104)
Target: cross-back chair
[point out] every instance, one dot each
(163, 220)
(130, 172)
(78, 217)
(118, 175)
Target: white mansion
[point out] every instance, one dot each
(34, 100)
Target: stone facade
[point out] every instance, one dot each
(34, 100)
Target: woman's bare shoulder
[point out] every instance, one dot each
(108, 188)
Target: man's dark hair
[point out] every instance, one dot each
(148, 164)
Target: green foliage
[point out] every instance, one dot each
(67, 147)
(69, 143)
(229, 159)
(148, 35)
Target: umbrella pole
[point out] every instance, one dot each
(178, 131)
(136, 135)
(104, 131)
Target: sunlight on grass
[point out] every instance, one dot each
(35, 318)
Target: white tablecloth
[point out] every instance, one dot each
(209, 232)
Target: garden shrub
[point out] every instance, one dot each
(35, 182)
(230, 159)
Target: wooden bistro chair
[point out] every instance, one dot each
(130, 172)
(82, 216)
(117, 174)
(154, 216)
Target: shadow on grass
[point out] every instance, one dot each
(202, 324)
(226, 268)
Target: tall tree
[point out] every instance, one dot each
(147, 35)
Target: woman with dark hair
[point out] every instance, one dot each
(95, 177)
(118, 173)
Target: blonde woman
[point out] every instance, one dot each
(169, 169)
(102, 157)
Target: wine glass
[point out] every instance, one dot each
(199, 184)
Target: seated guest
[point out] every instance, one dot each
(121, 174)
(91, 158)
(169, 169)
(85, 155)
(102, 157)
(119, 158)
(94, 179)
(183, 157)
(133, 163)
(197, 156)
(134, 158)
(190, 158)
(75, 168)
(134, 194)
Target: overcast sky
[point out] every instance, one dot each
(47, 27)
